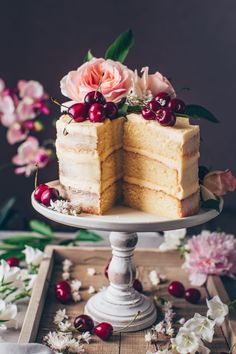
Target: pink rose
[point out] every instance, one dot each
(220, 182)
(153, 83)
(116, 82)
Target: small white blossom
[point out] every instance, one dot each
(76, 296)
(85, 337)
(65, 275)
(217, 310)
(66, 265)
(172, 239)
(75, 285)
(160, 327)
(60, 316)
(150, 337)
(33, 256)
(64, 207)
(186, 342)
(8, 274)
(91, 271)
(8, 314)
(64, 326)
(154, 278)
(57, 341)
(182, 321)
(91, 289)
(201, 326)
(170, 330)
(74, 346)
(167, 306)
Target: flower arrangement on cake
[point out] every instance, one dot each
(127, 136)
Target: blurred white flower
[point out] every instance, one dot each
(60, 316)
(91, 289)
(91, 271)
(64, 326)
(75, 285)
(74, 346)
(65, 275)
(172, 239)
(66, 265)
(154, 278)
(8, 274)
(8, 314)
(33, 256)
(57, 341)
(76, 296)
(217, 310)
(186, 341)
(85, 337)
(201, 326)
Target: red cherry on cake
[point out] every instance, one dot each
(111, 110)
(96, 113)
(39, 191)
(103, 330)
(137, 285)
(162, 98)
(176, 289)
(63, 291)
(94, 97)
(83, 323)
(107, 267)
(148, 114)
(166, 117)
(48, 195)
(192, 295)
(176, 105)
(154, 105)
(13, 261)
(78, 111)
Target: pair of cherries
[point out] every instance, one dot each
(163, 108)
(94, 107)
(44, 194)
(177, 289)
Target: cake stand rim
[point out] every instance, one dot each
(124, 222)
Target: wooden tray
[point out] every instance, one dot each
(43, 305)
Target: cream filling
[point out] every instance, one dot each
(181, 194)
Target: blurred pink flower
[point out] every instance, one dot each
(7, 111)
(2, 85)
(116, 82)
(16, 133)
(220, 182)
(29, 155)
(210, 254)
(153, 83)
(32, 89)
(26, 109)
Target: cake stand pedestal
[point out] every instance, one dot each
(119, 303)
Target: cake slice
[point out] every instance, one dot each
(161, 167)
(90, 162)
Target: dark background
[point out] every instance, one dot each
(192, 42)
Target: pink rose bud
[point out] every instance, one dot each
(220, 182)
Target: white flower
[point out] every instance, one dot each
(148, 337)
(33, 256)
(91, 271)
(91, 289)
(172, 239)
(64, 207)
(170, 330)
(66, 265)
(60, 316)
(57, 341)
(186, 342)
(75, 285)
(74, 346)
(86, 337)
(154, 278)
(32, 279)
(8, 314)
(201, 326)
(167, 306)
(217, 310)
(65, 275)
(160, 327)
(182, 321)
(76, 296)
(8, 274)
(64, 326)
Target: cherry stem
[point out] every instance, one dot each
(65, 132)
(129, 324)
(36, 176)
(232, 348)
(58, 103)
(99, 84)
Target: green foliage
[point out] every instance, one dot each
(211, 204)
(119, 49)
(87, 236)
(88, 56)
(196, 111)
(41, 228)
(5, 210)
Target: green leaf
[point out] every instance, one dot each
(211, 204)
(21, 239)
(41, 228)
(88, 56)
(134, 109)
(202, 172)
(12, 253)
(123, 110)
(7, 247)
(196, 111)
(85, 235)
(119, 49)
(5, 210)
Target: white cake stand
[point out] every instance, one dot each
(119, 303)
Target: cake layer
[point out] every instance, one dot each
(174, 146)
(158, 202)
(87, 172)
(92, 203)
(153, 174)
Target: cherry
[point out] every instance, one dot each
(96, 113)
(94, 97)
(148, 114)
(176, 105)
(39, 191)
(154, 105)
(13, 261)
(78, 111)
(166, 117)
(137, 285)
(192, 295)
(103, 330)
(176, 289)
(48, 195)
(83, 323)
(111, 110)
(107, 267)
(162, 98)
(63, 291)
